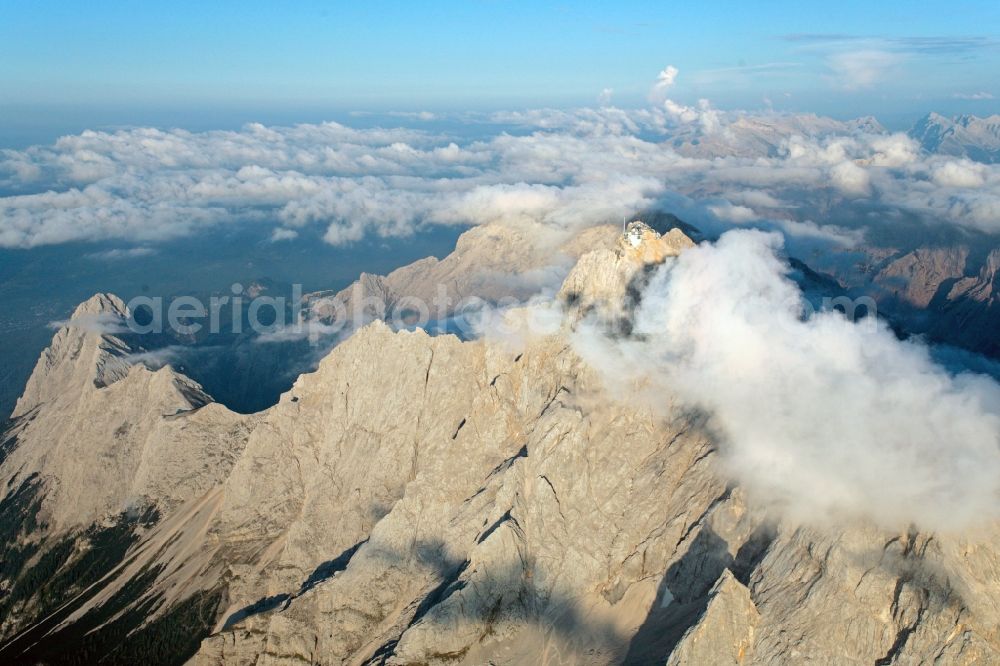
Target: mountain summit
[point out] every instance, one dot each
(962, 136)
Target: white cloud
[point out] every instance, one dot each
(960, 173)
(564, 169)
(850, 178)
(824, 418)
(666, 78)
(159, 358)
(708, 119)
(283, 234)
(856, 70)
(104, 324)
(977, 96)
(755, 199)
(730, 213)
(122, 253)
(895, 150)
(425, 116)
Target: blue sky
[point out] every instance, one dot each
(118, 62)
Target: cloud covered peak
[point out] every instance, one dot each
(824, 418)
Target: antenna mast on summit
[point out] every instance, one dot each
(624, 217)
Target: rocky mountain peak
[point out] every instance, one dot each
(868, 124)
(85, 351)
(644, 244)
(967, 136)
(603, 279)
(725, 631)
(101, 305)
(93, 423)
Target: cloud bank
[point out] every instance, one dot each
(826, 418)
(563, 169)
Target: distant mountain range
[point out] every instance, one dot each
(962, 136)
(747, 135)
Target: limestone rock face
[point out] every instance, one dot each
(483, 502)
(106, 434)
(608, 280)
(424, 500)
(945, 291)
(724, 634)
(983, 287)
(490, 263)
(61, 370)
(916, 277)
(951, 295)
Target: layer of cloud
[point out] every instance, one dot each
(976, 96)
(104, 324)
(122, 253)
(825, 418)
(923, 45)
(863, 62)
(158, 358)
(563, 169)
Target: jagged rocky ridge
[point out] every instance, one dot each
(962, 136)
(422, 499)
(944, 290)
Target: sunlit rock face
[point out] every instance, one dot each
(606, 282)
(425, 500)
